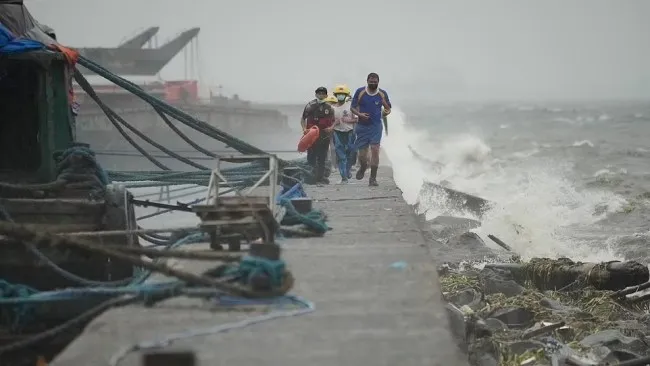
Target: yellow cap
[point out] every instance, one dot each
(341, 89)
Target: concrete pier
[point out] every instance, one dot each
(372, 280)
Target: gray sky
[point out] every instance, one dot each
(280, 50)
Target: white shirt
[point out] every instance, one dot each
(341, 111)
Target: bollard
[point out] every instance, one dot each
(169, 358)
(261, 281)
(266, 250)
(303, 205)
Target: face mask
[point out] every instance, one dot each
(341, 97)
(320, 101)
(373, 86)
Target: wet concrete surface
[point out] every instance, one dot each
(368, 311)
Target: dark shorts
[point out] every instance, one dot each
(368, 135)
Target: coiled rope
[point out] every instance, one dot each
(313, 221)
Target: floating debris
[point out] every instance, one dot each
(525, 314)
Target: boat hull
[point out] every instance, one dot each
(263, 128)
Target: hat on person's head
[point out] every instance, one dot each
(321, 90)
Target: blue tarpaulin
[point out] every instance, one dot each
(296, 191)
(9, 44)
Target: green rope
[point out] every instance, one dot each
(15, 314)
(241, 176)
(314, 220)
(252, 267)
(242, 173)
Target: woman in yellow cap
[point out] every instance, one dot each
(331, 99)
(343, 135)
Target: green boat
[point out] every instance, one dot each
(48, 183)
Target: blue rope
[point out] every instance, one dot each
(85, 292)
(22, 300)
(297, 191)
(18, 312)
(306, 308)
(314, 220)
(252, 267)
(190, 239)
(138, 277)
(24, 295)
(63, 166)
(241, 175)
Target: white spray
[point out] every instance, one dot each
(537, 210)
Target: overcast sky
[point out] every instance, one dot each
(280, 50)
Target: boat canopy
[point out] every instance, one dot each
(16, 18)
(34, 101)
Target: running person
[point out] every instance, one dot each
(367, 104)
(318, 113)
(331, 100)
(343, 135)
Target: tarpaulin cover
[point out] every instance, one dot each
(9, 44)
(19, 31)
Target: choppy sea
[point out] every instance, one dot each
(565, 179)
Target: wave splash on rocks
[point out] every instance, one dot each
(545, 311)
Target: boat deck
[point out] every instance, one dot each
(370, 309)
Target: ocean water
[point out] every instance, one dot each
(565, 179)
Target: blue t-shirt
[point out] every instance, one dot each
(370, 104)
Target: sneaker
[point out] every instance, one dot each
(373, 182)
(343, 181)
(361, 172)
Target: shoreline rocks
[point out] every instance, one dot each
(515, 313)
(501, 317)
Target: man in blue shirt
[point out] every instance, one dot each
(367, 104)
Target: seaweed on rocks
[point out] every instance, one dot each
(552, 274)
(501, 317)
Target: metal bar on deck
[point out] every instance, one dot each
(160, 230)
(128, 232)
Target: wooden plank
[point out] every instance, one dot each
(242, 209)
(238, 200)
(237, 204)
(17, 206)
(62, 227)
(55, 219)
(213, 223)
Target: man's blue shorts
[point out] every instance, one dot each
(368, 134)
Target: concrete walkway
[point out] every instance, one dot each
(367, 311)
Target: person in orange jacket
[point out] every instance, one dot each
(318, 113)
